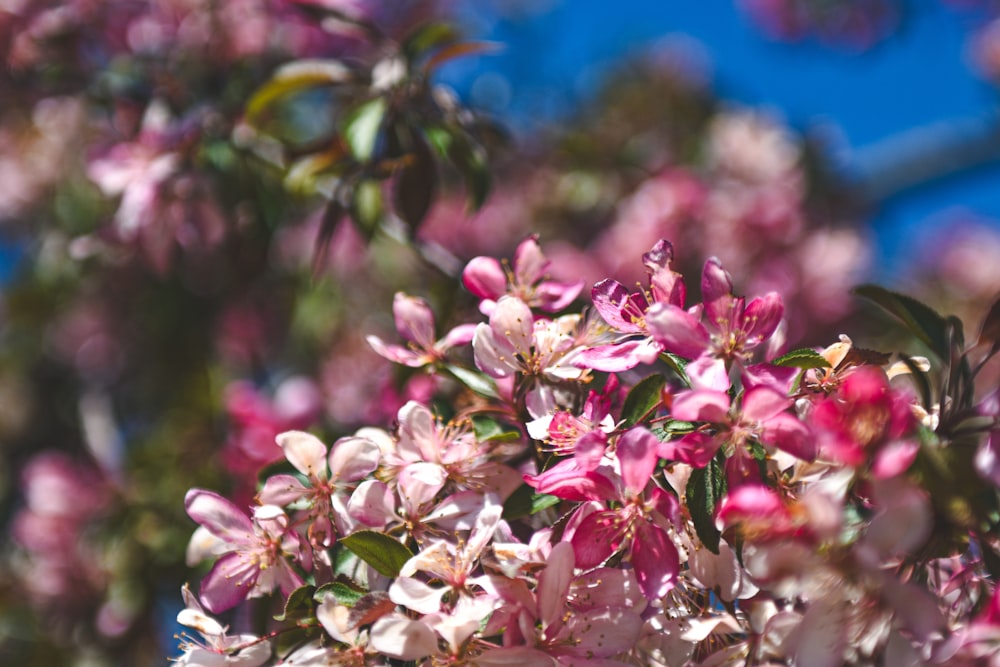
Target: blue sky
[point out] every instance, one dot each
(915, 87)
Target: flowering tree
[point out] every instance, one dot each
(712, 498)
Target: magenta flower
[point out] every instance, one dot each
(258, 552)
(626, 313)
(762, 417)
(732, 331)
(415, 323)
(489, 280)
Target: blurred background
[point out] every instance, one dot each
(205, 207)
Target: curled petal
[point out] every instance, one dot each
(568, 481)
(218, 516)
(529, 261)
(352, 458)
(397, 354)
(414, 319)
(484, 277)
(553, 296)
(695, 449)
(460, 335)
(304, 451)
(611, 300)
(416, 595)
(619, 357)
(761, 318)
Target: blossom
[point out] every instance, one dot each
(525, 279)
(219, 649)
(415, 323)
(257, 553)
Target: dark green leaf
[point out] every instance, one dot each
(362, 127)
(416, 184)
(382, 552)
(470, 160)
(332, 216)
(677, 365)
(477, 382)
(920, 379)
(299, 604)
(671, 428)
(345, 595)
(803, 358)
(642, 401)
(705, 487)
(922, 321)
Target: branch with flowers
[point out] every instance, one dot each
(640, 482)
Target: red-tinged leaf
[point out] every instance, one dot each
(460, 50)
(989, 332)
(369, 608)
(296, 76)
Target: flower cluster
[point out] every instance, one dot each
(661, 485)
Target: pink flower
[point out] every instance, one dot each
(415, 323)
(258, 552)
(489, 280)
(626, 313)
(734, 329)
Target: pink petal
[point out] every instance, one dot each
(779, 378)
(529, 262)
(708, 372)
(420, 482)
(553, 584)
(401, 638)
(229, 582)
(306, 452)
(414, 319)
(416, 595)
(554, 296)
(513, 321)
(484, 277)
(397, 354)
(655, 560)
(494, 356)
(219, 516)
(762, 403)
(790, 435)
(600, 633)
(460, 335)
(619, 357)
(716, 290)
(352, 458)
(636, 451)
(610, 299)
(597, 537)
(895, 458)
(701, 405)
(372, 503)
(761, 318)
(281, 490)
(568, 481)
(695, 449)
(677, 330)
(820, 640)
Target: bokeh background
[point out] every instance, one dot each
(205, 207)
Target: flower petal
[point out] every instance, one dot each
(306, 452)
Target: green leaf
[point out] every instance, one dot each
(366, 207)
(346, 595)
(299, 604)
(487, 428)
(922, 321)
(525, 501)
(803, 358)
(382, 552)
(470, 160)
(642, 401)
(362, 128)
(671, 428)
(677, 365)
(477, 382)
(294, 77)
(705, 488)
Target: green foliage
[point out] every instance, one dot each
(380, 551)
(705, 488)
(643, 400)
(803, 358)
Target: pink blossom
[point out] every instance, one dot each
(525, 279)
(415, 323)
(258, 552)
